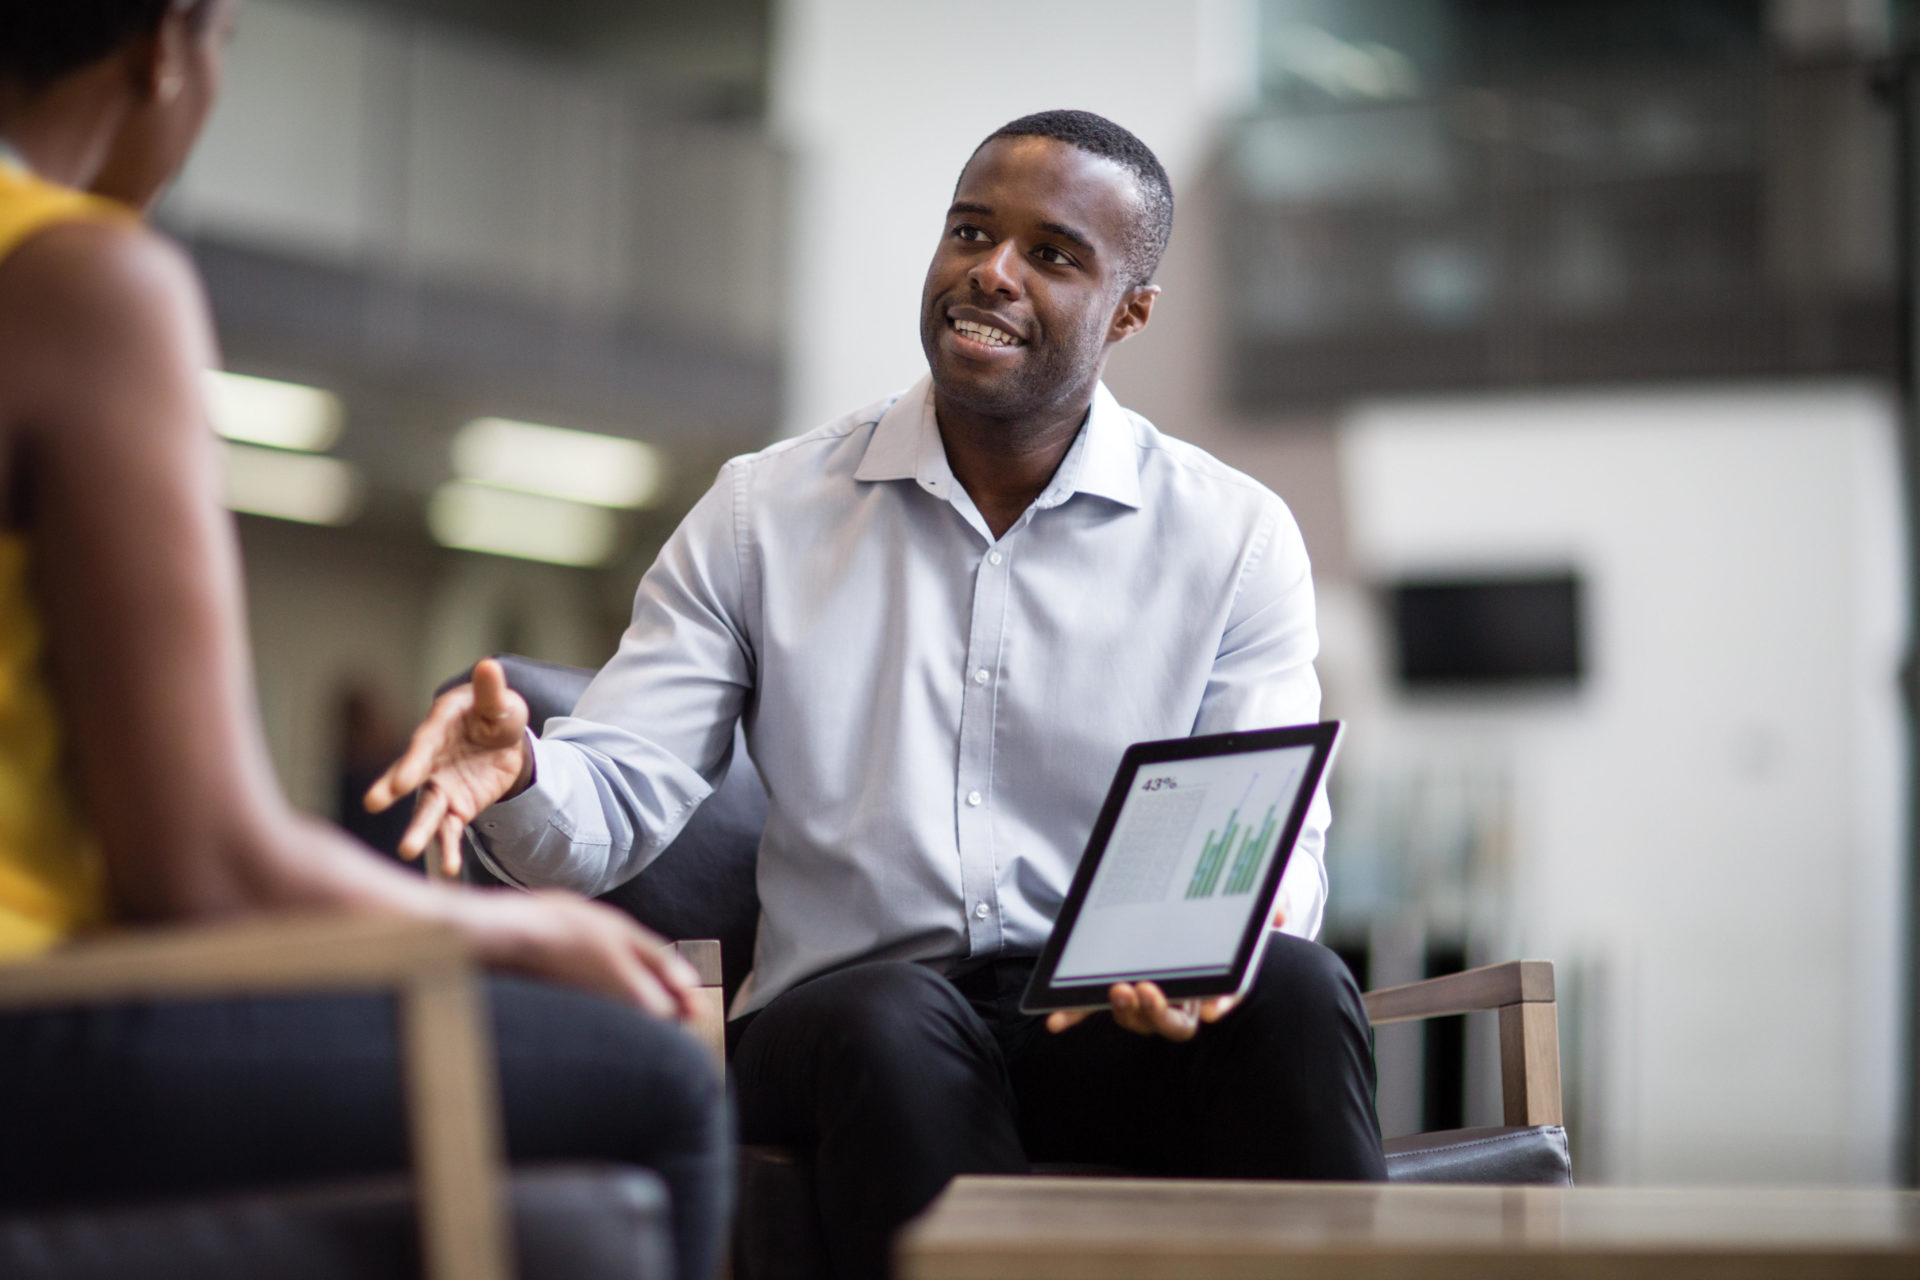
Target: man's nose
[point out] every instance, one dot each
(998, 271)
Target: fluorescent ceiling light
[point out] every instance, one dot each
(282, 414)
(607, 471)
(474, 517)
(292, 486)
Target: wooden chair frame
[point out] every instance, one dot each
(452, 1096)
(1521, 991)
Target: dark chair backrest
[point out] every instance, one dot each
(702, 885)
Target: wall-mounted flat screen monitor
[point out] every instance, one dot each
(1488, 632)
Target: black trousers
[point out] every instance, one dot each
(210, 1096)
(898, 1079)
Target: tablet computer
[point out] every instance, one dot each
(1177, 884)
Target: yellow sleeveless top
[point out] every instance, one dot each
(51, 878)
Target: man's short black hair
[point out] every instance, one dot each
(43, 40)
(1153, 220)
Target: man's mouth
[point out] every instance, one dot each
(985, 334)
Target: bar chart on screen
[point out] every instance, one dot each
(1246, 861)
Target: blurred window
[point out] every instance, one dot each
(1441, 194)
(1320, 52)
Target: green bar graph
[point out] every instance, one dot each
(1213, 858)
(1221, 844)
(1247, 863)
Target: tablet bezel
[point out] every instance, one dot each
(1042, 996)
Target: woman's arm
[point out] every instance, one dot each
(116, 478)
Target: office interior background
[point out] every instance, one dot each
(1574, 332)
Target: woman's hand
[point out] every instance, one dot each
(561, 937)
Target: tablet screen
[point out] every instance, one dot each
(1183, 870)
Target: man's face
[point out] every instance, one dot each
(1024, 294)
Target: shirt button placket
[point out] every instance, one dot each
(975, 817)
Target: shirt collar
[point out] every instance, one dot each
(1103, 461)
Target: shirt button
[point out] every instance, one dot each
(980, 911)
(994, 557)
(973, 798)
(981, 676)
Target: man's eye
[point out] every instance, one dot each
(1047, 253)
(966, 232)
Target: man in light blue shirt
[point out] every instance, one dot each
(940, 621)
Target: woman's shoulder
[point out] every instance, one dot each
(86, 296)
(86, 262)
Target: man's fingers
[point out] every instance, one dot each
(501, 713)
(1128, 1010)
(385, 789)
(1142, 1008)
(451, 829)
(428, 809)
(1153, 1005)
(1179, 1026)
(410, 771)
(1215, 1008)
(489, 689)
(1175, 1022)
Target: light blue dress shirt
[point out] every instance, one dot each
(937, 713)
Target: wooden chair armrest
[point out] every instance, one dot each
(710, 1027)
(704, 955)
(453, 1100)
(1521, 991)
(1493, 986)
(258, 955)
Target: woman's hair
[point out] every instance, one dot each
(42, 40)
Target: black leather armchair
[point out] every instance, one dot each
(703, 887)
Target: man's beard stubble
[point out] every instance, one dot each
(1054, 372)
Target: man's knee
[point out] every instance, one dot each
(1303, 984)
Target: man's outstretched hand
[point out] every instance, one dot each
(469, 752)
(1142, 1008)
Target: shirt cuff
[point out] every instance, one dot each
(517, 823)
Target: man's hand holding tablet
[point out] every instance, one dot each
(1143, 1009)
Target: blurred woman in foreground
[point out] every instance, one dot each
(133, 781)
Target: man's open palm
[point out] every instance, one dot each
(469, 752)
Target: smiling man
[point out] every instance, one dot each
(941, 619)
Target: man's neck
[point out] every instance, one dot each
(1004, 464)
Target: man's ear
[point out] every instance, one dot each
(1135, 309)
